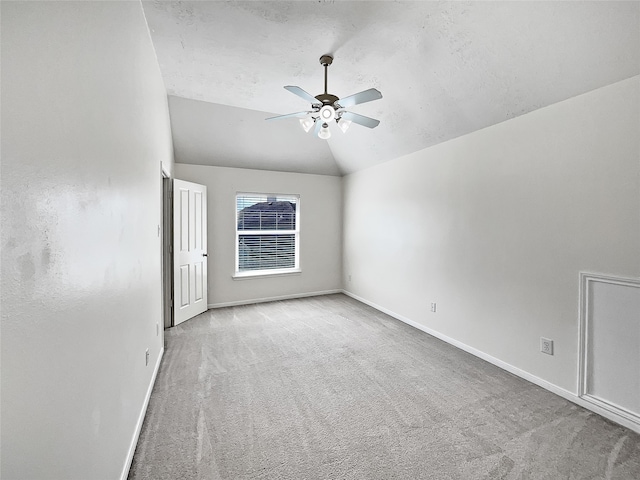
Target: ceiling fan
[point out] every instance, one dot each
(326, 107)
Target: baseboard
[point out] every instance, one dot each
(572, 397)
(272, 299)
(136, 433)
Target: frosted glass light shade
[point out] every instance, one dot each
(344, 125)
(307, 123)
(324, 132)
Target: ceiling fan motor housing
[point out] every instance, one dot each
(327, 98)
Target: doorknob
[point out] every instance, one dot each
(204, 254)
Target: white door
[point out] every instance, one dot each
(189, 250)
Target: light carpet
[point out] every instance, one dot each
(329, 388)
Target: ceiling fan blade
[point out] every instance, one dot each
(361, 119)
(357, 98)
(302, 94)
(289, 115)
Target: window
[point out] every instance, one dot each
(267, 234)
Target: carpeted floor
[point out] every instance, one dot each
(329, 388)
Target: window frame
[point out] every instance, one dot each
(268, 272)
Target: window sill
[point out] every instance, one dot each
(265, 273)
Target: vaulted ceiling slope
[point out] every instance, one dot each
(445, 69)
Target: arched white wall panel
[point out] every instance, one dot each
(610, 344)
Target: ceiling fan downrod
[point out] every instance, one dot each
(326, 98)
(325, 61)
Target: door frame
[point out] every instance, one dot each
(167, 247)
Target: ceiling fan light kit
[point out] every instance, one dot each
(326, 107)
(307, 123)
(324, 132)
(327, 113)
(344, 124)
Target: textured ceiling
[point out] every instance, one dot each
(445, 69)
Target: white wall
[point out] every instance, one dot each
(495, 226)
(201, 129)
(320, 231)
(84, 128)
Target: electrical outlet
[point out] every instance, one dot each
(146, 357)
(157, 329)
(349, 277)
(546, 345)
(433, 307)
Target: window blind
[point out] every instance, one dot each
(266, 232)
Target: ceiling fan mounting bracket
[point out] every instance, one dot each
(326, 60)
